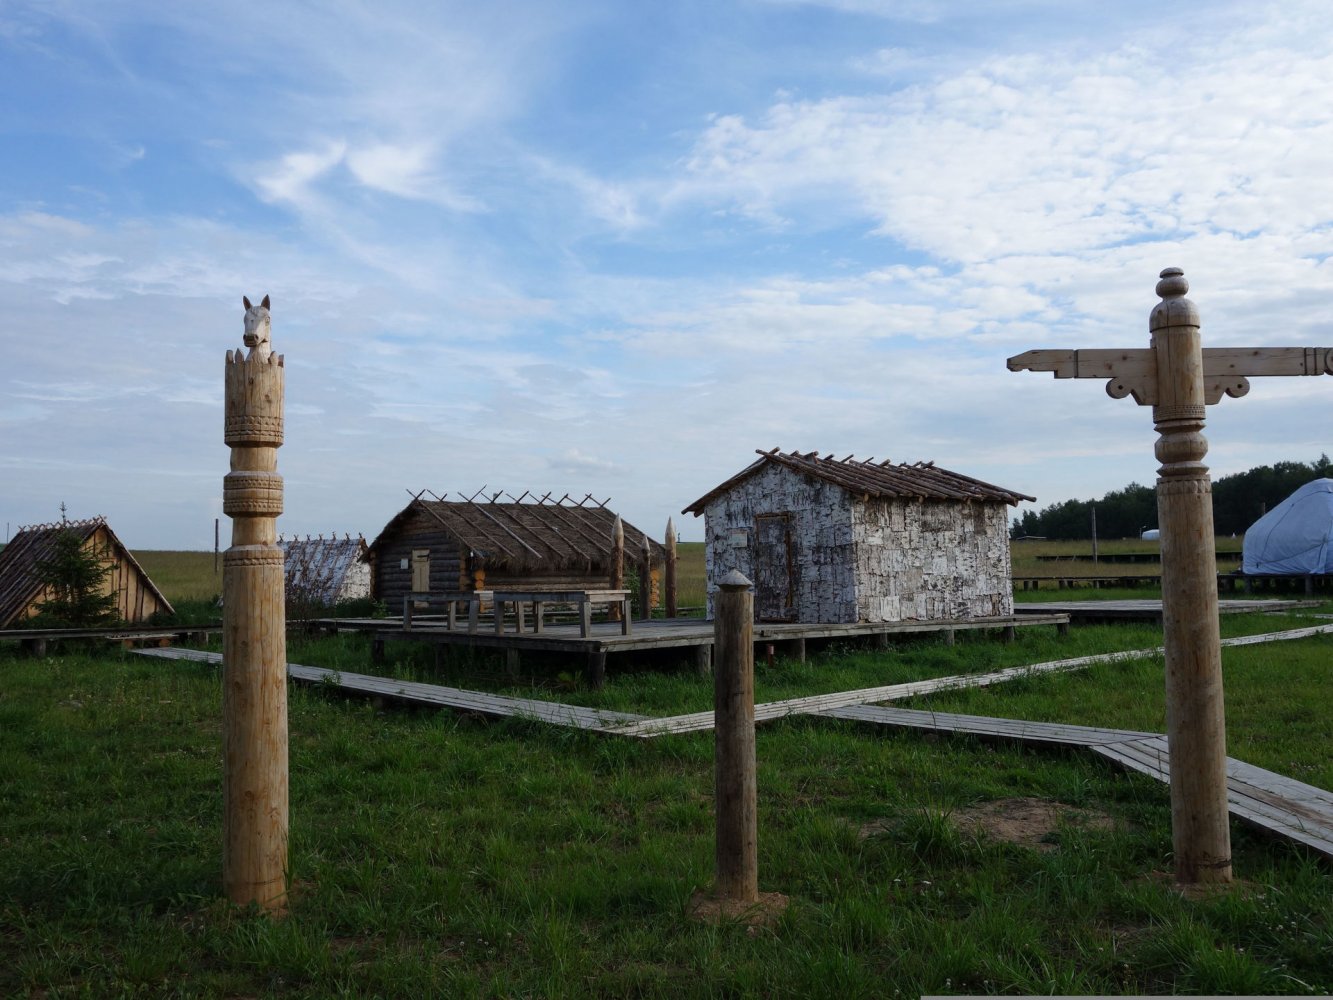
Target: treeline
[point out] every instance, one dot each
(1238, 501)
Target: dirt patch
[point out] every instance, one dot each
(710, 909)
(1028, 822)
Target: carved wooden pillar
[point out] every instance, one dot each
(1196, 726)
(254, 638)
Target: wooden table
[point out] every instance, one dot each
(582, 599)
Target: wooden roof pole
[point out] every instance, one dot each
(669, 573)
(254, 629)
(617, 564)
(1178, 378)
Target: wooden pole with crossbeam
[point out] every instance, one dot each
(1179, 378)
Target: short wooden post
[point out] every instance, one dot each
(669, 570)
(646, 580)
(1196, 727)
(596, 672)
(254, 637)
(617, 564)
(733, 706)
(703, 660)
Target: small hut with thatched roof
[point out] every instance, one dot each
(483, 543)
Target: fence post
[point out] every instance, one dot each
(669, 571)
(736, 801)
(254, 628)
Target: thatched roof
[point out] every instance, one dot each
(21, 560)
(919, 481)
(532, 534)
(317, 567)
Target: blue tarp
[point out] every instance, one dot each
(1294, 537)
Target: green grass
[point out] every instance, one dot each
(438, 856)
(182, 576)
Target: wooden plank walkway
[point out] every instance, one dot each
(1282, 805)
(1145, 609)
(1273, 802)
(557, 713)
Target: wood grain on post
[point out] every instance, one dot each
(1196, 725)
(254, 637)
(736, 801)
(646, 580)
(669, 570)
(617, 564)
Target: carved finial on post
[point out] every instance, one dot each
(257, 330)
(254, 637)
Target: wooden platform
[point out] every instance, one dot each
(1144, 610)
(1273, 802)
(604, 638)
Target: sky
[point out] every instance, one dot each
(609, 248)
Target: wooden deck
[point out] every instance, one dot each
(1144, 610)
(604, 638)
(1273, 802)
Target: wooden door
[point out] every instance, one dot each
(773, 568)
(421, 571)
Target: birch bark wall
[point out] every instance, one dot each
(867, 560)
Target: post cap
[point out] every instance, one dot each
(1174, 309)
(735, 580)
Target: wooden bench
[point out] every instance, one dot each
(583, 600)
(471, 599)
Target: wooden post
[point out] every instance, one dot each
(617, 565)
(736, 800)
(646, 580)
(596, 672)
(1178, 378)
(669, 571)
(254, 639)
(1196, 728)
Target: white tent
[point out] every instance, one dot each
(1296, 536)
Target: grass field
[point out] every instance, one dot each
(190, 575)
(438, 855)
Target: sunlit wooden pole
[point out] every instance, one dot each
(1178, 378)
(254, 638)
(1195, 717)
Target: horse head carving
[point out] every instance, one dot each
(257, 329)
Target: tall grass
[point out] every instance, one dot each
(434, 855)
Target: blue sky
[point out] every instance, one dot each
(610, 248)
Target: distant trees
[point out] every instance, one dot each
(76, 578)
(1238, 501)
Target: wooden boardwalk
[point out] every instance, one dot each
(1273, 802)
(1144, 610)
(1276, 803)
(434, 695)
